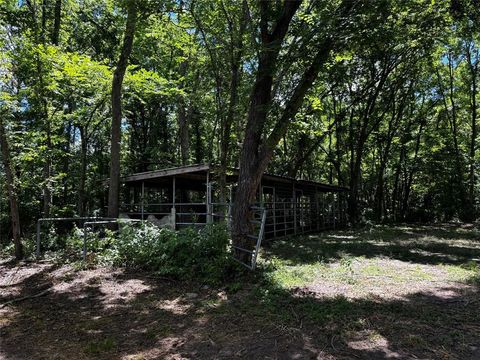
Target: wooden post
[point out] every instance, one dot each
(208, 199)
(173, 215)
(334, 209)
(274, 214)
(323, 210)
(142, 204)
(294, 200)
(174, 210)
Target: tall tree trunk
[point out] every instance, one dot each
(236, 53)
(183, 133)
(257, 151)
(473, 67)
(366, 127)
(251, 163)
(83, 171)
(257, 148)
(118, 75)
(355, 177)
(56, 22)
(47, 172)
(459, 169)
(411, 173)
(66, 160)
(12, 192)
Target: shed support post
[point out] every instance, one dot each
(334, 202)
(274, 213)
(142, 204)
(294, 200)
(323, 210)
(209, 199)
(174, 215)
(317, 210)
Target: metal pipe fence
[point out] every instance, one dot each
(270, 219)
(66, 219)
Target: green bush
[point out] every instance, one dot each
(188, 253)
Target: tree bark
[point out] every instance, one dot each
(236, 53)
(473, 67)
(411, 173)
(118, 75)
(366, 127)
(83, 171)
(252, 163)
(56, 22)
(183, 131)
(256, 154)
(12, 192)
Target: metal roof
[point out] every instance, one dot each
(155, 174)
(190, 169)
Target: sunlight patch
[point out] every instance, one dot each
(371, 340)
(176, 306)
(125, 291)
(350, 237)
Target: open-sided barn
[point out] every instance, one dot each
(189, 195)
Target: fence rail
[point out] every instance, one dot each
(270, 219)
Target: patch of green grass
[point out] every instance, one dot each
(336, 308)
(418, 273)
(467, 272)
(101, 346)
(289, 276)
(372, 270)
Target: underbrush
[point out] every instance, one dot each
(188, 254)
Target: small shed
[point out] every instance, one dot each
(189, 196)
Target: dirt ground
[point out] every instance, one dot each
(389, 293)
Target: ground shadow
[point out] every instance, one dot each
(111, 314)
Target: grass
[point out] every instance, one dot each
(400, 255)
(101, 346)
(353, 281)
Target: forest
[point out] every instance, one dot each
(377, 97)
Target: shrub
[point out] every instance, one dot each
(188, 253)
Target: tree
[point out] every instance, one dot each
(118, 75)
(12, 190)
(258, 148)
